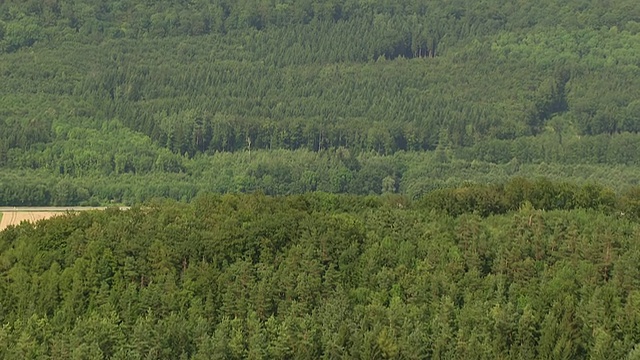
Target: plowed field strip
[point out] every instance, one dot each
(15, 215)
(15, 218)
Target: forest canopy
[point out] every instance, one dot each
(289, 97)
(322, 276)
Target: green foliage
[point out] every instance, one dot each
(517, 193)
(347, 96)
(443, 107)
(322, 276)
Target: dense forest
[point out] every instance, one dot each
(321, 179)
(329, 276)
(123, 101)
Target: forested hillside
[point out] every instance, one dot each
(441, 179)
(327, 276)
(121, 101)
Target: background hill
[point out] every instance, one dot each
(125, 100)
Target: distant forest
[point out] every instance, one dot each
(123, 101)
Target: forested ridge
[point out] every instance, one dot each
(328, 276)
(100, 98)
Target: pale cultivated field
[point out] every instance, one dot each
(16, 217)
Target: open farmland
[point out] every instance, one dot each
(14, 216)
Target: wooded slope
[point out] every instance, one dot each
(95, 93)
